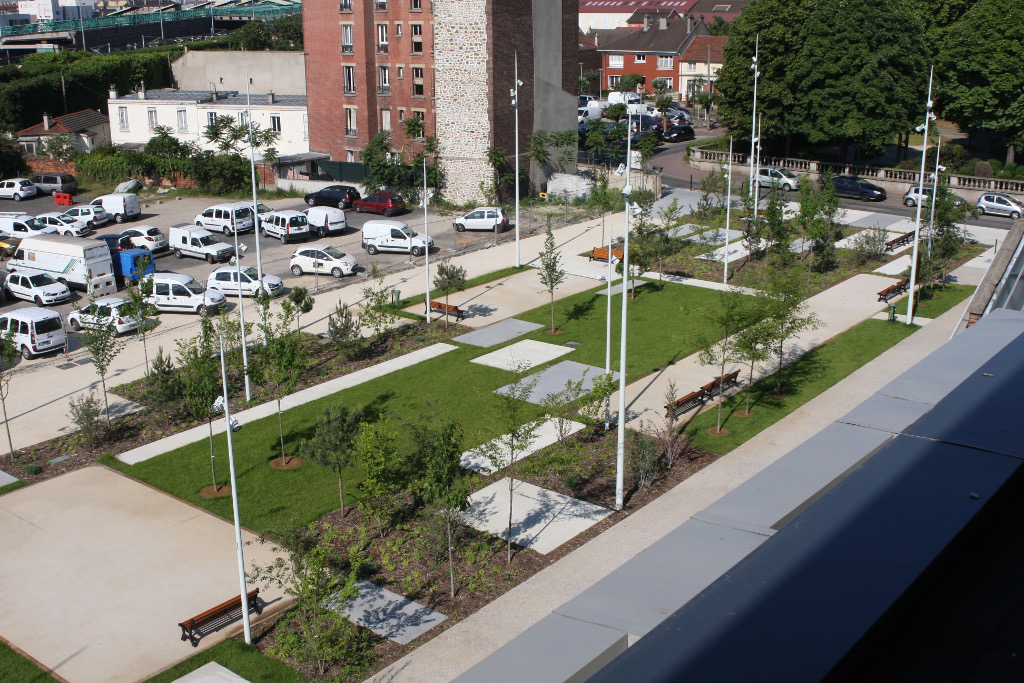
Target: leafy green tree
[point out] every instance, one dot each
(719, 27)
(733, 313)
(751, 346)
(140, 310)
(629, 82)
(450, 278)
(101, 341)
(413, 127)
(254, 35)
(597, 140)
(383, 469)
(782, 299)
(8, 355)
(660, 86)
(164, 144)
(60, 147)
(377, 313)
(287, 32)
(300, 301)
(230, 136)
(334, 442)
(538, 152)
(584, 82)
(281, 360)
(551, 272)
(777, 227)
(201, 379)
(566, 142)
(615, 112)
(343, 330)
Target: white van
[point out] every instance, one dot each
(35, 331)
(616, 97)
(393, 236)
(19, 224)
(82, 264)
(182, 294)
(227, 218)
(324, 220)
(285, 225)
(192, 240)
(122, 206)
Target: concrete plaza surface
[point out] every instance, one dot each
(98, 570)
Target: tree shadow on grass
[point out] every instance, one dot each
(580, 310)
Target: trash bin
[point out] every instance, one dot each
(396, 296)
(892, 313)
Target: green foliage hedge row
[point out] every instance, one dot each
(215, 173)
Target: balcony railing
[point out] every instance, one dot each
(348, 49)
(351, 131)
(382, 48)
(345, 6)
(383, 89)
(348, 89)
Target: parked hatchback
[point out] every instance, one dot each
(857, 188)
(229, 279)
(101, 312)
(910, 197)
(52, 183)
(34, 331)
(329, 259)
(39, 287)
(92, 215)
(386, 203)
(66, 225)
(678, 134)
(773, 176)
(146, 237)
(486, 218)
(17, 189)
(340, 196)
(999, 204)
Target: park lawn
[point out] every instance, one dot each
(934, 302)
(803, 380)
(245, 660)
(664, 325)
(14, 667)
(13, 486)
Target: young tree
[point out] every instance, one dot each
(334, 442)
(538, 152)
(343, 330)
(443, 481)
(566, 142)
(139, 309)
(201, 380)
(728, 318)
(450, 278)
(85, 413)
(8, 355)
(615, 112)
(777, 227)
(101, 341)
(377, 312)
(301, 302)
(281, 361)
(551, 272)
(751, 346)
(629, 82)
(783, 300)
(383, 468)
(518, 433)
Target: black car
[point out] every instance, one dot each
(340, 196)
(646, 122)
(678, 134)
(857, 188)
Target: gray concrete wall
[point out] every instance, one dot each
(283, 73)
(554, 109)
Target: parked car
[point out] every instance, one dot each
(325, 220)
(101, 312)
(485, 218)
(122, 206)
(17, 189)
(329, 259)
(386, 203)
(115, 243)
(340, 196)
(38, 287)
(23, 225)
(1000, 204)
(34, 331)
(182, 294)
(226, 218)
(285, 225)
(678, 133)
(92, 215)
(857, 188)
(65, 225)
(229, 279)
(774, 176)
(910, 197)
(52, 183)
(393, 236)
(679, 117)
(198, 242)
(647, 123)
(146, 237)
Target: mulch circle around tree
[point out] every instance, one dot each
(221, 492)
(715, 431)
(554, 332)
(743, 413)
(291, 463)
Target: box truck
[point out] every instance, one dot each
(82, 264)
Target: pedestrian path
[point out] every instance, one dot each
(389, 615)
(547, 432)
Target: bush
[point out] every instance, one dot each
(85, 413)
(643, 461)
(869, 244)
(32, 470)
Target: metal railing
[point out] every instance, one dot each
(345, 6)
(346, 50)
(384, 90)
(382, 48)
(351, 131)
(381, 5)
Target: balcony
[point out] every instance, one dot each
(347, 89)
(346, 50)
(382, 48)
(383, 89)
(351, 132)
(345, 6)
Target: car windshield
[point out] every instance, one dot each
(333, 252)
(408, 233)
(37, 224)
(864, 183)
(195, 288)
(208, 241)
(784, 171)
(41, 280)
(262, 208)
(251, 272)
(296, 221)
(69, 220)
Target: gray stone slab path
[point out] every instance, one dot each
(151, 450)
(546, 434)
(875, 220)
(554, 379)
(617, 289)
(6, 479)
(211, 672)
(498, 333)
(528, 353)
(390, 615)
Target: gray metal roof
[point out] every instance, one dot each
(229, 98)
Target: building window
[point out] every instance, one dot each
(417, 5)
(664, 61)
(350, 121)
(211, 120)
(613, 83)
(305, 136)
(275, 125)
(346, 39)
(350, 80)
(401, 117)
(419, 114)
(668, 82)
(182, 121)
(385, 119)
(122, 120)
(383, 81)
(639, 59)
(417, 39)
(350, 157)
(401, 73)
(345, 6)
(693, 67)
(381, 5)
(417, 81)
(151, 114)
(614, 61)
(382, 38)
(398, 30)
(243, 122)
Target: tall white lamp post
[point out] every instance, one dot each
(426, 232)
(514, 93)
(620, 448)
(234, 501)
(728, 207)
(935, 194)
(252, 168)
(928, 116)
(753, 115)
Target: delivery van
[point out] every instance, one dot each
(81, 264)
(393, 236)
(123, 206)
(191, 240)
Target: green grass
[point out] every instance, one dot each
(244, 660)
(472, 282)
(934, 302)
(14, 667)
(803, 380)
(11, 487)
(270, 498)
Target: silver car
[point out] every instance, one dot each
(999, 204)
(773, 176)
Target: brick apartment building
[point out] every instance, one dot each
(371, 64)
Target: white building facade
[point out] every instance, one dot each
(134, 117)
(57, 10)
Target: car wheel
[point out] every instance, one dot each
(311, 202)
(209, 259)
(39, 301)
(75, 325)
(178, 254)
(201, 311)
(388, 213)
(92, 226)
(909, 202)
(26, 353)
(1015, 215)
(296, 271)
(341, 205)
(359, 209)
(415, 251)
(119, 218)
(336, 273)
(371, 249)
(459, 227)
(17, 198)
(322, 231)
(263, 231)
(865, 198)
(787, 187)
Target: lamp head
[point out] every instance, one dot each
(942, 168)
(920, 129)
(627, 190)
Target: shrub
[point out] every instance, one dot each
(85, 413)
(32, 469)
(869, 244)
(164, 385)
(643, 460)
(983, 169)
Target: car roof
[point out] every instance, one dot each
(111, 300)
(389, 224)
(30, 313)
(177, 277)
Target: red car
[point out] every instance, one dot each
(386, 203)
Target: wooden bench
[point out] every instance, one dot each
(601, 254)
(447, 309)
(713, 387)
(190, 627)
(895, 290)
(905, 238)
(685, 403)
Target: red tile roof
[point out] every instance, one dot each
(697, 51)
(69, 123)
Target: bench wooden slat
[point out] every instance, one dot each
(601, 254)
(687, 402)
(190, 627)
(905, 238)
(447, 309)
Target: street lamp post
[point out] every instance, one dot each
(514, 92)
(928, 116)
(252, 167)
(935, 194)
(753, 116)
(728, 206)
(160, 11)
(620, 448)
(426, 232)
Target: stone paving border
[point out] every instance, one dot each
(617, 289)
(554, 379)
(211, 672)
(546, 434)
(6, 479)
(389, 615)
(529, 353)
(894, 267)
(498, 333)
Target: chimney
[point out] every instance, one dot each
(647, 22)
(689, 24)
(270, 98)
(113, 91)
(46, 121)
(662, 23)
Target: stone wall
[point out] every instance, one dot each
(47, 165)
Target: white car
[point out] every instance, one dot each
(92, 215)
(100, 312)
(17, 189)
(146, 237)
(484, 218)
(38, 287)
(229, 279)
(328, 259)
(285, 225)
(65, 225)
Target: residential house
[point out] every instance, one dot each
(606, 14)
(88, 128)
(653, 51)
(699, 65)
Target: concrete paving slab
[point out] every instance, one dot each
(211, 672)
(390, 615)
(6, 479)
(894, 267)
(986, 235)
(584, 267)
(617, 289)
(870, 219)
(546, 434)
(848, 242)
(105, 569)
(498, 333)
(529, 353)
(554, 379)
(542, 520)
